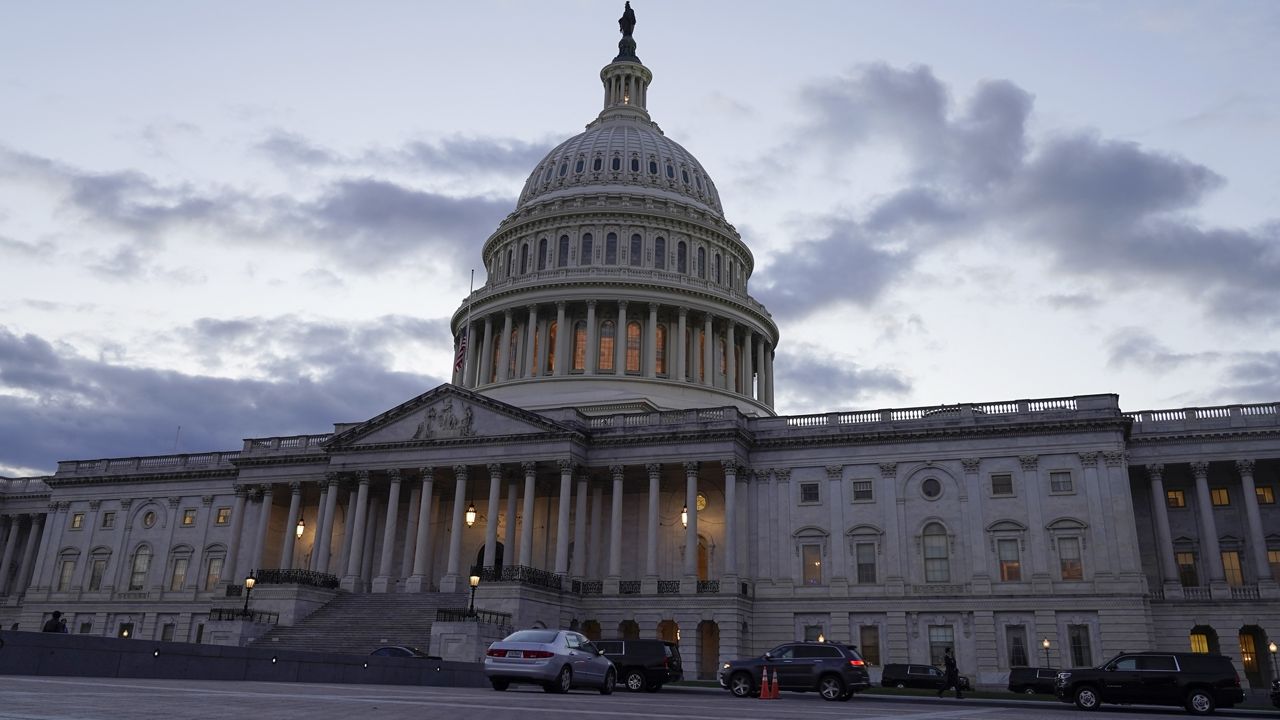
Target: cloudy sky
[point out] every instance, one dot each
(249, 218)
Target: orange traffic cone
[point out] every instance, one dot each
(764, 685)
(774, 693)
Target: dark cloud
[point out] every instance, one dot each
(1136, 347)
(1253, 376)
(455, 155)
(34, 251)
(814, 382)
(291, 149)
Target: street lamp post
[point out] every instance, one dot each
(248, 589)
(475, 581)
(1272, 647)
(1045, 644)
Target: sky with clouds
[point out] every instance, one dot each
(248, 219)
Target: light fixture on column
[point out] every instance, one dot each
(1045, 644)
(684, 516)
(471, 514)
(302, 526)
(475, 582)
(249, 582)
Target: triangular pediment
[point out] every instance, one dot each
(447, 413)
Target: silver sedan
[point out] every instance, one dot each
(558, 660)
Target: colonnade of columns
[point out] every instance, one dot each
(22, 531)
(674, 343)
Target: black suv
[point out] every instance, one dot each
(1031, 680)
(835, 671)
(1195, 681)
(643, 664)
(902, 675)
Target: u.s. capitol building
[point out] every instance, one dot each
(607, 457)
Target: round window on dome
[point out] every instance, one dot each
(578, 168)
(149, 519)
(671, 172)
(685, 174)
(931, 488)
(599, 163)
(635, 164)
(617, 164)
(564, 168)
(653, 168)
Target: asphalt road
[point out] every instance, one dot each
(48, 698)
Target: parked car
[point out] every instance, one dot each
(835, 671)
(929, 677)
(1032, 680)
(1198, 682)
(643, 664)
(406, 651)
(1275, 691)
(558, 660)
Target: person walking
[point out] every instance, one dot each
(952, 674)
(55, 623)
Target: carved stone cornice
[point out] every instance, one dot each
(1200, 470)
(1245, 467)
(889, 470)
(95, 504)
(126, 503)
(174, 502)
(205, 500)
(1089, 459)
(1029, 462)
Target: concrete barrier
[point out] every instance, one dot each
(34, 653)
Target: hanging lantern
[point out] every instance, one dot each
(471, 514)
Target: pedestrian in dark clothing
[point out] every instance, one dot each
(55, 623)
(952, 674)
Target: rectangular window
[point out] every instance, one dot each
(1010, 564)
(1266, 495)
(812, 556)
(865, 555)
(1060, 483)
(214, 571)
(812, 633)
(224, 516)
(869, 643)
(86, 628)
(179, 574)
(188, 517)
(1187, 569)
(1231, 566)
(1081, 650)
(1219, 497)
(77, 520)
(941, 637)
(64, 575)
(937, 566)
(1200, 643)
(108, 520)
(97, 570)
(1002, 485)
(166, 632)
(863, 491)
(1273, 559)
(1016, 638)
(1175, 499)
(809, 493)
(1069, 559)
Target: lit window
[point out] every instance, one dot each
(1273, 559)
(809, 493)
(1010, 563)
(223, 517)
(633, 347)
(606, 345)
(1002, 485)
(1231, 566)
(1266, 495)
(812, 557)
(660, 355)
(1248, 653)
(811, 634)
(1069, 559)
(863, 491)
(937, 561)
(579, 346)
(1219, 497)
(188, 517)
(1060, 483)
(77, 520)
(1187, 574)
(1200, 643)
(1175, 498)
(148, 519)
(552, 327)
(865, 556)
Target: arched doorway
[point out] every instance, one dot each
(708, 649)
(1204, 639)
(591, 629)
(1253, 657)
(629, 630)
(670, 631)
(497, 559)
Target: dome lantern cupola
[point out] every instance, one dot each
(626, 80)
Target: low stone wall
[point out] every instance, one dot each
(33, 653)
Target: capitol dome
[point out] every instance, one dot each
(616, 284)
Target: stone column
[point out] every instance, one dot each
(325, 534)
(319, 523)
(651, 536)
(260, 537)
(1208, 527)
(682, 348)
(1105, 549)
(730, 466)
(708, 351)
(563, 333)
(980, 569)
(230, 569)
(580, 543)
(1037, 542)
(290, 535)
(486, 353)
(348, 529)
(615, 526)
(768, 373)
(562, 523)
(1257, 543)
(11, 539)
(504, 348)
(385, 582)
(595, 564)
(620, 341)
(762, 382)
(410, 530)
(491, 521)
(356, 557)
(730, 359)
(593, 344)
(37, 523)
(526, 521)
(691, 531)
(509, 538)
(1164, 538)
(452, 581)
(418, 581)
(651, 346)
(370, 542)
(748, 373)
(46, 551)
(532, 365)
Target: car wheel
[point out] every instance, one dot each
(1199, 702)
(1087, 698)
(499, 685)
(900, 684)
(740, 685)
(610, 679)
(830, 687)
(635, 681)
(564, 680)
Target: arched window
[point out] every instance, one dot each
(585, 257)
(682, 257)
(141, 566)
(611, 249)
(562, 255)
(715, 267)
(637, 249)
(524, 258)
(512, 351)
(660, 253)
(702, 263)
(660, 355)
(542, 254)
(606, 345)
(551, 346)
(633, 347)
(937, 556)
(510, 263)
(579, 346)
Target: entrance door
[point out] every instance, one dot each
(708, 649)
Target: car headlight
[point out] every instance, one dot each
(725, 666)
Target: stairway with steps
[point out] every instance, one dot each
(356, 623)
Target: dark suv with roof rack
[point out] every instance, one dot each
(835, 671)
(1198, 682)
(643, 664)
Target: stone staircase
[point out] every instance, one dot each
(356, 623)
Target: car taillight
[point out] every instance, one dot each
(1237, 679)
(537, 654)
(496, 653)
(857, 663)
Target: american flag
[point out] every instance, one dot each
(461, 356)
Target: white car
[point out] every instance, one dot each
(558, 660)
